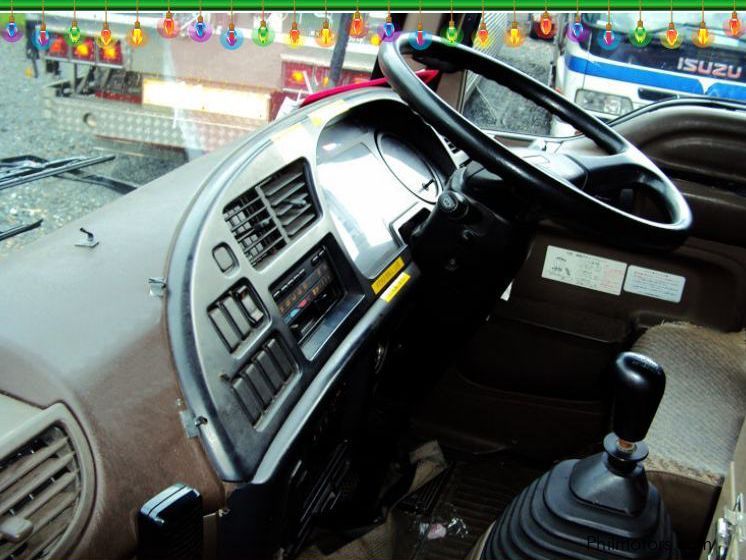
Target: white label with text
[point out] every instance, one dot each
(584, 270)
(654, 284)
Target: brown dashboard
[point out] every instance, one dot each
(168, 354)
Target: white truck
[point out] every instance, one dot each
(158, 93)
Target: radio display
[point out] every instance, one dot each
(307, 292)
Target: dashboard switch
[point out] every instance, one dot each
(224, 258)
(257, 379)
(247, 397)
(231, 307)
(270, 369)
(224, 328)
(280, 356)
(255, 314)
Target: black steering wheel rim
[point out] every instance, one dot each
(558, 196)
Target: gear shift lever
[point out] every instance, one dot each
(639, 383)
(601, 507)
(638, 388)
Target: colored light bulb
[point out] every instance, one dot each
(357, 26)
(671, 34)
(388, 27)
(545, 23)
(452, 32)
(640, 32)
(703, 35)
(326, 34)
(608, 35)
(263, 32)
(169, 25)
(231, 35)
(11, 28)
(577, 27)
(420, 34)
(734, 25)
(294, 34)
(136, 35)
(200, 27)
(483, 36)
(514, 35)
(43, 35)
(105, 34)
(73, 34)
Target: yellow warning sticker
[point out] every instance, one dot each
(395, 286)
(328, 112)
(386, 276)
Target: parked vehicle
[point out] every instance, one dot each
(158, 93)
(611, 83)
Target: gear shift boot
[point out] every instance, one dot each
(600, 507)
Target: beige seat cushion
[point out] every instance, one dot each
(696, 428)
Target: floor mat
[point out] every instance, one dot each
(476, 492)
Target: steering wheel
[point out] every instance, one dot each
(567, 197)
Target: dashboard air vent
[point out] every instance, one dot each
(263, 378)
(266, 217)
(451, 146)
(40, 487)
(253, 227)
(290, 197)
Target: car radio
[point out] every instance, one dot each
(306, 293)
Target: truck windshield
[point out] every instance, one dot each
(610, 81)
(154, 106)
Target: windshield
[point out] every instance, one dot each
(154, 106)
(614, 79)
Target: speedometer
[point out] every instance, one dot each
(408, 165)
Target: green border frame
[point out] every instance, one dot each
(367, 5)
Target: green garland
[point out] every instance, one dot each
(367, 5)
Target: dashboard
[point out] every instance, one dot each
(224, 331)
(281, 265)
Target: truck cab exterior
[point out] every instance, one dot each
(612, 82)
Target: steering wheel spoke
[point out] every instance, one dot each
(576, 189)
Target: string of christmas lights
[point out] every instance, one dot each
(232, 38)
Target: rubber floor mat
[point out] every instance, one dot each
(476, 492)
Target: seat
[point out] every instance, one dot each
(694, 433)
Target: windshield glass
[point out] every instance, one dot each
(610, 80)
(154, 107)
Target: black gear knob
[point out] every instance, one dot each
(639, 383)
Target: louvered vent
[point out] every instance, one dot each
(40, 486)
(268, 216)
(290, 198)
(460, 156)
(253, 227)
(451, 146)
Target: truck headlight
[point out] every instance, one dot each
(603, 102)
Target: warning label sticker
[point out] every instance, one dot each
(584, 270)
(654, 283)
